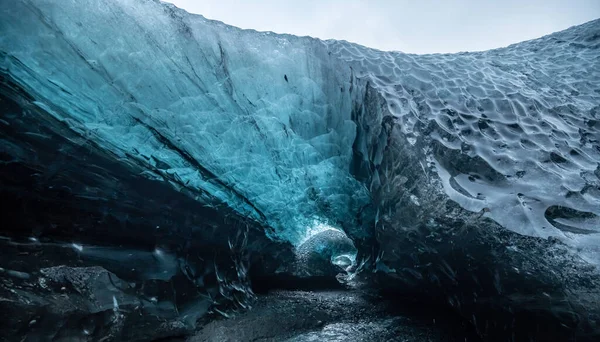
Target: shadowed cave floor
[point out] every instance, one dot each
(331, 315)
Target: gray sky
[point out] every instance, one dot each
(415, 26)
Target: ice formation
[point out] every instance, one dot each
(290, 134)
(264, 123)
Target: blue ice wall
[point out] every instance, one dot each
(254, 121)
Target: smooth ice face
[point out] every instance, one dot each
(344, 260)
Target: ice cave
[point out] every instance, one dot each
(165, 177)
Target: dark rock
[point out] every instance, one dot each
(83, 304)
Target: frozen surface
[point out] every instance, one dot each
(263, 122)
(525, 118)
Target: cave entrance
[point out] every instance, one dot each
(323, 259)
(326, 251)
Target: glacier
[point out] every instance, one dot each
(194, 159)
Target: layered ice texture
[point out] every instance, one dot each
(264, 124)
(254, 121)
(295, 133)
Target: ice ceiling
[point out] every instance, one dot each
(275, 126)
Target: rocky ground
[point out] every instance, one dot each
(331, 315)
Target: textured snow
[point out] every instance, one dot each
(267, 124)
(530, 112)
